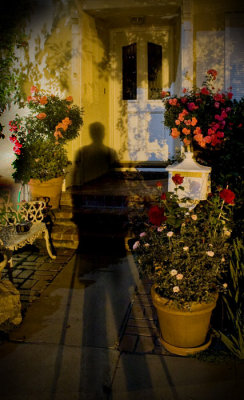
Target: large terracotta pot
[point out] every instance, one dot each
(51, 189)
(183, 332)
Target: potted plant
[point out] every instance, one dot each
(201, 118)
(185, 253)
(39, 139)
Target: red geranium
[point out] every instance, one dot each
(177, 179)
(156, 215)
(227, 195)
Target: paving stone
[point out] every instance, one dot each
(145, 345)
(128, 343)
(25, 274)
(41, 274)
(145, 331)
(150, 313)
(33, 263)
(33, 257)
(138, 311)
(143, 323)
(144, 299)
(28, 284)
(49, 267)
(40, 286)
(16, 272)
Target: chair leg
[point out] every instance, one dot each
(48, 244)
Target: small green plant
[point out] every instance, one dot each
(234, 302)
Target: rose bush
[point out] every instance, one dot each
(186, 254)
(40, 136)
(201, 118)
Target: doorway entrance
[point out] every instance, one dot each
(141, 65)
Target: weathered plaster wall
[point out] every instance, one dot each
(209, 36)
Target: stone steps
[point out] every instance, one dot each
(101, 209)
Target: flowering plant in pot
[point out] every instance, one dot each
(185, 253)
(201, 117)
(39, 137)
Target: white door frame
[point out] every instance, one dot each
(151, 106)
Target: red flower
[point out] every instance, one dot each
(229, 95)
(164, 94)
(156, 215)
(213, 73)
(163, 196)
(177, 179)
(204, 90)
(227, 195)
(159, 184)
(192, 106)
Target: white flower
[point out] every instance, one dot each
(173, 272)
(187, 213)
(170, 234)
(136, 245)
(179, 277)
(185, 248)
(222, 259)
(225, 285)
(210, 245)
(194, 217)
(142, 234)
(146, 245)
(210, 253)
(176, 289)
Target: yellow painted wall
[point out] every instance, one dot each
(94, 82)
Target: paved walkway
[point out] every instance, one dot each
(90, 334)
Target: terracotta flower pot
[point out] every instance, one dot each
(183, 332)
(51, 189)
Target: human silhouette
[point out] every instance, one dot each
(95, 159)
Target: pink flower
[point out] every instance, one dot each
(192, 106)
(34, 89)
(136, 245)
(216, 104)
(179, 277)
(142, 234)
(173, 272)
(176, 289)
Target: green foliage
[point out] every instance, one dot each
(13, 15)
(187, 254)
(39, 138)
(234, 302)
